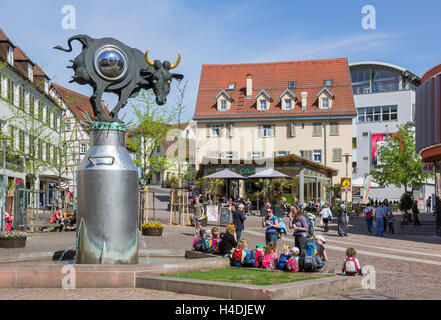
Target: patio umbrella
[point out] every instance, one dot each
(225, 174)
(359, 182)
(268, 173)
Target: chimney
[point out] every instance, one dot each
(304, 100)
(249, 86)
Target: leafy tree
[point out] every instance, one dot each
(398, 163)
(264, 186)
(215, 186)
(150, 131)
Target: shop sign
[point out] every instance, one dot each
(247, 171)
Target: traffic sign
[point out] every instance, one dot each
(345, 184)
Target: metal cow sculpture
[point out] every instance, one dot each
(108, 65)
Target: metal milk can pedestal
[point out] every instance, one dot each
(107, 202)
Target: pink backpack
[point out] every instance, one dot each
(268, 260)
(291, 266)
(351, 266)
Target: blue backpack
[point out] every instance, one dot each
(282, 261)
(310, 261)
(250, 258)
(207, 245)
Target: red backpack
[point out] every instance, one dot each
(237, 254)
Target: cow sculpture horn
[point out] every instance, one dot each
(172, 66)
(150, 62)
(175, 64)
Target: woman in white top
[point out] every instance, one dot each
(326, 215)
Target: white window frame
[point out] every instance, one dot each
(229, 155)
(256, 155)
(83, 148)
(261, 102)
(317, 153)
(285, 104)
(212, 130)
(30, 72)
(265, 129)
(10, 55)
(327, 104)
(223, 105)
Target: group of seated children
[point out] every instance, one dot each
(312, 258)
(265, 257)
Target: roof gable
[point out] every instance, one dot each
(263, 92)
(289, 92)
(326, 90)
(223, 92)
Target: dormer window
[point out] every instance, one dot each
(10, 55)
(223, 101)
(263, 100)
(46, 86)
(30, 72)
(288, 99)
(325, 98)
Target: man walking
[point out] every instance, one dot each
(198, 212)
(238, 220)
(379, 219)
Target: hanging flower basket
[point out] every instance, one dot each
(152, 229)
(13, 239)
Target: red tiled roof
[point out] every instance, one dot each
(20, 55)
(78, 103)
(4, 37)
(39, 72)
(274, 78)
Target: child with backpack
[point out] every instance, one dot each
(310, 261)
(197, 243)
(292, 265)
(253, 259)
(269, 260)
(238, 254)
(390, 222)
(321, 251)
(216, 240)
(284, 257)
(351, 266)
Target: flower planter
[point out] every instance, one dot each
(152, 232)
(13, 243)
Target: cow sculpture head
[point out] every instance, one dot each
(160, 77)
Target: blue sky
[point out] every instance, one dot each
(214, 31)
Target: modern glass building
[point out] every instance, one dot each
(384, 97)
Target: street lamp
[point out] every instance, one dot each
(346, 155)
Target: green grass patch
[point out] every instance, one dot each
(259, 277)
